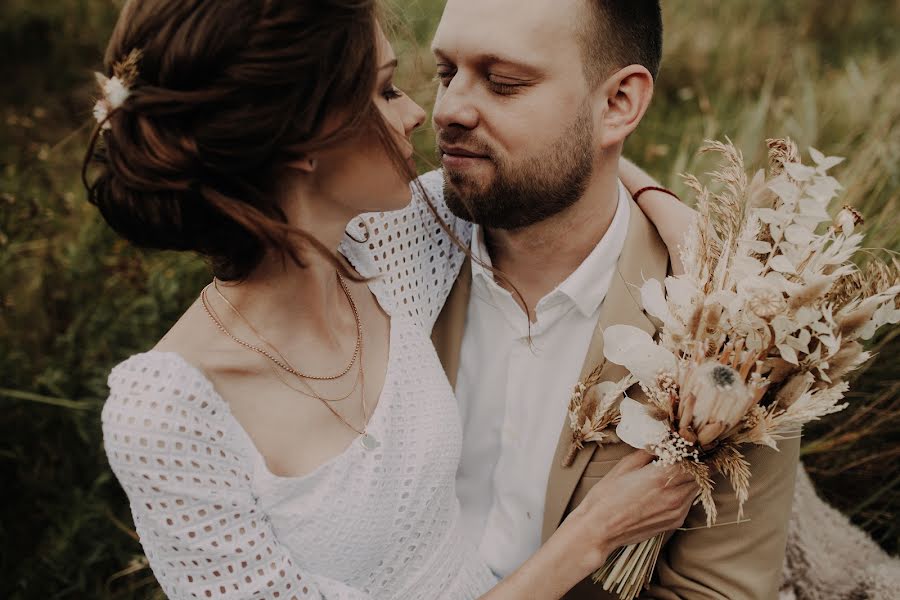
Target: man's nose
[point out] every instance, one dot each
(453, 106)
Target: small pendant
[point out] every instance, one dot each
(368, 441)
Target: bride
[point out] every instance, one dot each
(294, 435)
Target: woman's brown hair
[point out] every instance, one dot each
(228, 92)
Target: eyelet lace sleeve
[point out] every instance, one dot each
(415, 259)
(176, 452)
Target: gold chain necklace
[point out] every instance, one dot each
(367, 441)
(283, 363)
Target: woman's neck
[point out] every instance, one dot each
(281, 298)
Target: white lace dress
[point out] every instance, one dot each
(379, 523)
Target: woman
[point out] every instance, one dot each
(294, 435)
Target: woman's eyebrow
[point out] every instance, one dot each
(389, 65)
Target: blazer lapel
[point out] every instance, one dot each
(447, 334)
(644, 256)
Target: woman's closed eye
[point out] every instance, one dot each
(444, 75)
(392, 93)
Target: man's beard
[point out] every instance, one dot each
(521, 195)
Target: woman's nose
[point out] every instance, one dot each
(416, 117)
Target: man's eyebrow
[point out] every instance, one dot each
(496, 59)
(491, 58)
(393, 64)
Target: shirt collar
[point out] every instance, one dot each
(586, 286)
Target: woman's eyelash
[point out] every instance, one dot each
(391, 93)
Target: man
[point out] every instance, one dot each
(535, 102)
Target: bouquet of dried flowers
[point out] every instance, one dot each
(757, 337)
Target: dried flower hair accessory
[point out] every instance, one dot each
(116, 89)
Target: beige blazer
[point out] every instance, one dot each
(731, 561)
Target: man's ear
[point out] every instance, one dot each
(624, 98)
(305, 164)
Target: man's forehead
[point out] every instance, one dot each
(529, 30)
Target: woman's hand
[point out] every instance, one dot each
(636, 500)
(673, 219)
(633, 502)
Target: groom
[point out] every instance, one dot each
(535, 102)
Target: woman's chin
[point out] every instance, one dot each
(399, 199)
(395, 195)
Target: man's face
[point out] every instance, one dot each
(513, 115)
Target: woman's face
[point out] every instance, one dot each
(360, 176)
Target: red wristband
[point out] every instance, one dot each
(655, 188)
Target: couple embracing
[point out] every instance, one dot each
(370, 398)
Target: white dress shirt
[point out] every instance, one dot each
(514, 398)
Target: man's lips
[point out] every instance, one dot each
(454, 157)
(458, 151)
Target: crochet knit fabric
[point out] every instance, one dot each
(829, 558)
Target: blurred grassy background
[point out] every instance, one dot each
(74, 300)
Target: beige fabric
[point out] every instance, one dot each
(828, 557)
(730, 561)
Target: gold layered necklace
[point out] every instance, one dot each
(277, 358)
(283, 363)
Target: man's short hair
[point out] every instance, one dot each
(619, 33)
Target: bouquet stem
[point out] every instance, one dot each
(628, 570)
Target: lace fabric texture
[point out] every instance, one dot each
(413, 258)
(381, 523)
(829, 557)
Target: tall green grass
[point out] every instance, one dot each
(74, 300)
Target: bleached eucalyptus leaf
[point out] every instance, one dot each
(744, 266)
(824, 188)
(654, 300)
(823, 163)
(785, 189)
(635, 350)
(637, 428)
(799, 172)
(810, 222)
(798, 234)
(681, 291)
(810, 207)
(788, 354)
(797, 344)
(757, 247)
(781, 264)
(832, 343)
(782, 326)
(772, 216)
(805, 316)
(831, 161)
(884, 314)
(821, 328)
(817, 156)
